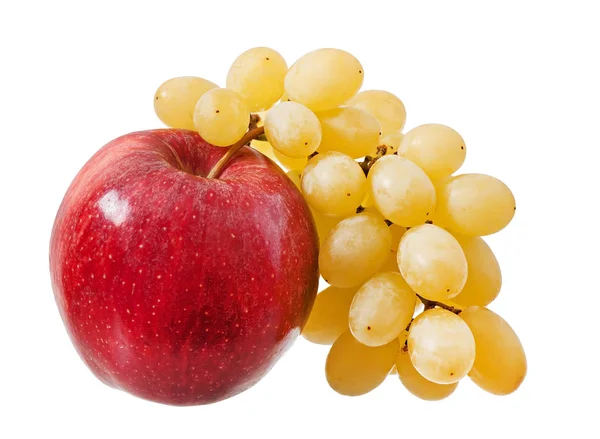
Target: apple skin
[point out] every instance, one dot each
(176, 288)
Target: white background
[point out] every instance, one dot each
(519, 80)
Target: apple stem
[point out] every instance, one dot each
(233, 149)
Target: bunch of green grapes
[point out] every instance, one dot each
(409, 275)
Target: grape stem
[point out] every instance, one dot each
(233, 149)
(254, 119)
(429, 304)
(369, 161)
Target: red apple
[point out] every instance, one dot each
(178, 288)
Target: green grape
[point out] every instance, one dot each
(419, 308)
(484, 278)
(264, 148)
(329, 316)
(349, 130)
(354, 369)
(221, 117)
(261, 118)
(386, 107)
(392, 142)
(324, 79)
(333, 184)
(325, 224)
(434, 218)
(401, 190)
(175, 100)
(432, 262)
(257, 75)
(453, 304)
(367, 201)
(417, 384)
(381, 309)
(372, 210)
(294, 175)
(293, 130)
(474, 204)
(391, 262)
(500, 364)
(441, 346)
(289, 163)
(402, 348)
(435, 148)
(354, 250)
